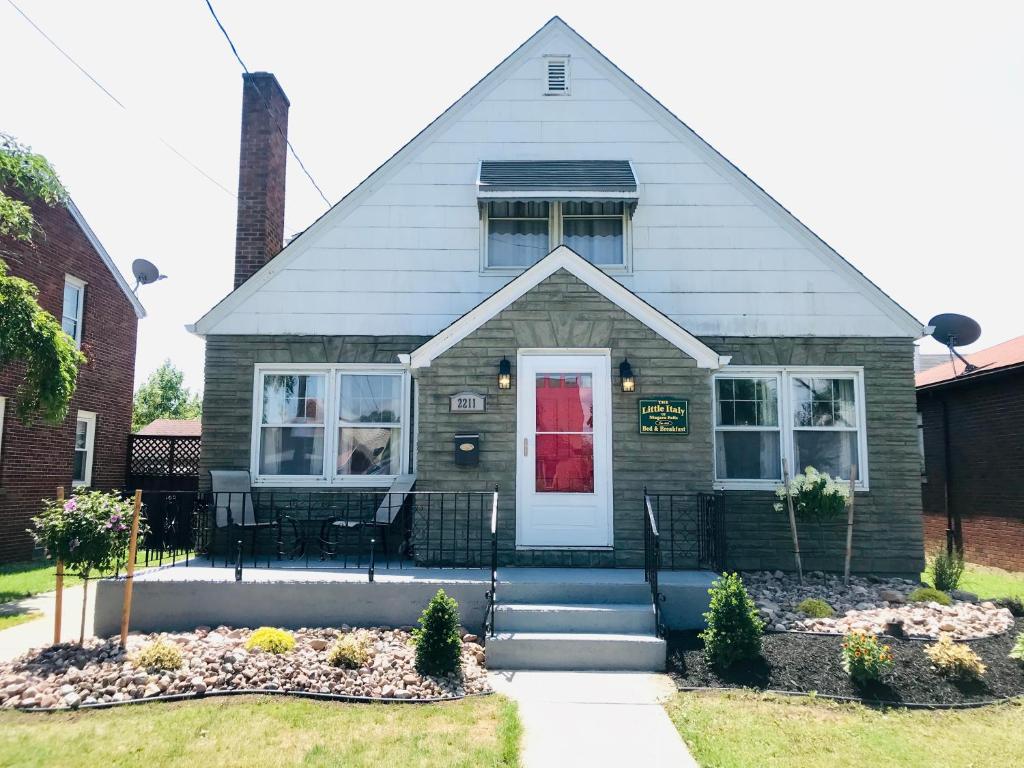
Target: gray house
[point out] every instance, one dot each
(558, 288)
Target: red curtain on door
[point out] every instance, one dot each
(565, 440)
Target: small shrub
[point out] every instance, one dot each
(866, 660)
(816, 496)
(1013, 604)
(947, 570)
(351, 652)
(815, 608)
(734, 629)
(954, 660)
(271, 640)
(438, 643)
(1018, 649)
(929, 595)
(159, 655)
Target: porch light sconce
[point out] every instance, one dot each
(504, 374)
(627, 377)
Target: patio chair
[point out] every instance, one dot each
(379, 523)
(234, 509)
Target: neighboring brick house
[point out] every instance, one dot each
(972, 481)
(79, 285)
(553, 231)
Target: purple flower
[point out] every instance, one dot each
(70, 505)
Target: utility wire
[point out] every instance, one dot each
(121, 104)
(266, 104)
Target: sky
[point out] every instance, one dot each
(893, 130)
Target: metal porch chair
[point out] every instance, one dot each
(234, 510)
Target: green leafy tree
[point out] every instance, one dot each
(165, 396)
(30, 335)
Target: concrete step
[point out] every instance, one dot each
(575, 651)
(620, 618)
(554, 592)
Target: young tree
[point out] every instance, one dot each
(28, 334)
(164, 396)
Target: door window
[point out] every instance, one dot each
(564, 460)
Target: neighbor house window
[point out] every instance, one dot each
(519, 233)
(71, 314)
(350, 413)
(85, 439)
(3, 410)
(747, 434)
(811, 417)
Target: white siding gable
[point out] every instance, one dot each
(401, 253)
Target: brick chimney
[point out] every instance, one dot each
(259, 234)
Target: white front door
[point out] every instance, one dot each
(563, 470)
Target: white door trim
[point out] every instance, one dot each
(524, 427)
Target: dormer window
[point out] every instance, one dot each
(557, 71)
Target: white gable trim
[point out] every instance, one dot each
(565, 258)
(76, 214)
(904, 320)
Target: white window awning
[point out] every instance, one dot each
(557, 180)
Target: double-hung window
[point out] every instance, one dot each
(519, 233)
(812, 417)
(340, 424)
(85, 440)
(74, 303)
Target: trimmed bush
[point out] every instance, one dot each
(351, 652)
(1018, 649)
(929, 595)
(864, 659)
(947, 570)
(438, 642)
(954, 660)
(271, 640)
(734, 629)
(816, 609)
(159, 655)
(1013, 604)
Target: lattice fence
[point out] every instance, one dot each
(163, 463)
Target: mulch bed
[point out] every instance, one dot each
(805, 663)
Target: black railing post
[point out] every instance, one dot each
(492, 594)
(373, 552)
(652, 561)
(238, 561)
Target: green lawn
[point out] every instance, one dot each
(14, 619)
(253, 732)
(740, 730)
(988, 583)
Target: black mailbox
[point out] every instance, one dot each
(467, 450)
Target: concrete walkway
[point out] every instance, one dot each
(594, 719)
(16, 640)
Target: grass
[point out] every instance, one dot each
(737, 730)
(14, 619)
(254, 732)
(988, 583)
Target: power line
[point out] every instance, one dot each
(121, 104)
(266, 104)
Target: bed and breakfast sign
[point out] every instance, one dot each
(664, 416)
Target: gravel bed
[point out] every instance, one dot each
(811, 663)
(870, 604)
(215, 660)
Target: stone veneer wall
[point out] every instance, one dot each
(888, 536)
(562, 311)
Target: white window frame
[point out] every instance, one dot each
(3, 412)
(80, 285)
(566, 60)
(329, 476)
(90, 447)
(778, 429)
(785, 376)
(555, 234)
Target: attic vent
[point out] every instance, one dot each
(558, 75)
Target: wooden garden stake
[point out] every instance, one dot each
(792, 522)
(849, 526)
(59, 600)
(133, 543)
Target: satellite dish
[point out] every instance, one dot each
(952, 330)
(145, 273)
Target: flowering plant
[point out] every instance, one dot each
(865, 659)
(89, 531)
(816, 496)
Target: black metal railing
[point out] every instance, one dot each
(492, 594)
(652, 561)
(691, 529)
(366, 530)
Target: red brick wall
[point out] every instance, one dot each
(985, 471)
(35, 459)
